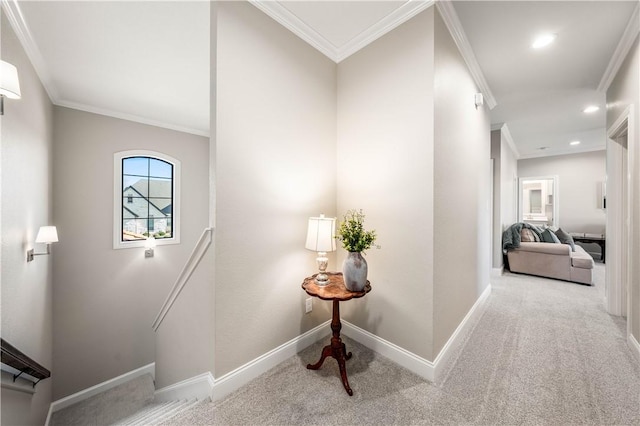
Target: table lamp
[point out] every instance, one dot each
(321, 239)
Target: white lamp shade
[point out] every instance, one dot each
(150, 243)
(321, 234)
(9, 84)
(47, 234)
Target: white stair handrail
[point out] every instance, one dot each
(190, 266)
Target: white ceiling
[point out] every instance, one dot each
(149, 60)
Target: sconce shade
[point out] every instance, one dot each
(9, 84)
(47, 234)
(150, 243)
(321, 234)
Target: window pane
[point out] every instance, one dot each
(160, 188)
(159, 168)
(139, 186)
(135, 166)
(134, 229)
(161, 228)
(160, 207)
(137, 207)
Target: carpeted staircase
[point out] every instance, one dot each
(131, 403)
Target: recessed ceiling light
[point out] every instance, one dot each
(543, 40)
(542, 148)
(591, 108)
(574, 143)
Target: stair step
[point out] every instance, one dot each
(168, 411)
(149, 409)
(185, 407)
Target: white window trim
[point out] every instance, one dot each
(117, 198)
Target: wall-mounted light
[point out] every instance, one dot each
(46, 235)
(478, 99)
(9, 84)
(149, 246)
(321, 239)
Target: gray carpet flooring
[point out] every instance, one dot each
(544, 352)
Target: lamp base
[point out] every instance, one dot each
(322, 279)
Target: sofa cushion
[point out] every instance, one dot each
(528, 236)
(565, 239)
(549, 237)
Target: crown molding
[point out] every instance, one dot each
(399, 16)
(132, 117)
(16, 18)
(506, 134)
(556, 153)
(619, 55)
(454, 25)
(20, 27)
(284, 17)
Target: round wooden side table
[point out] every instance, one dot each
(337, 292)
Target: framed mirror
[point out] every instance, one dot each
(538, 200)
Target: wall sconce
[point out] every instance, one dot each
(321, 239)
(149, 246)
(478, 99)
(46, 235)
(9, 84)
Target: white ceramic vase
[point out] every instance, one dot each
(354, 271)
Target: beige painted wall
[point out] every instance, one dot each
(462, 179)
(105, 300)
(505, 177)
(625, 91)
(579, 180)
(25, 181)
(385, 167)
(275, 167)
(400, 104)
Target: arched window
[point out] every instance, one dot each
(146, 198)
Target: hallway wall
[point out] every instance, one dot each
(26, 132)
(625, 91)
(105, 300)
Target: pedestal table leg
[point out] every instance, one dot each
(336, 349)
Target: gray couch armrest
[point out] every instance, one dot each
(547, 248)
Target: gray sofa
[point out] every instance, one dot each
(552, 260)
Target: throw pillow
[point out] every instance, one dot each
(549, 237)
(565, 238)
(527, 236)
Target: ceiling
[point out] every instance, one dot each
(148, 61)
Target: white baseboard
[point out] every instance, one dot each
(459, 337)
(101, 387)
(496, 272)
(200, 387)
(422, 367)
(233, 380)
(204, 385)
(430, 370)
(634, 345)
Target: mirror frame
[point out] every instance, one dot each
(556, 197)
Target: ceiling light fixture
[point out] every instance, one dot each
(590, 109)
(574, 143)
(543, 40)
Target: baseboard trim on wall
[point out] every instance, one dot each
(430, 370)
(205, 385)
(233, 380)
(101, 387)
(496, 272)
(200, 387)
(634, 345)
(412, 362)
(459, 336)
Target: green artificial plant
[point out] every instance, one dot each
(352, 234)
